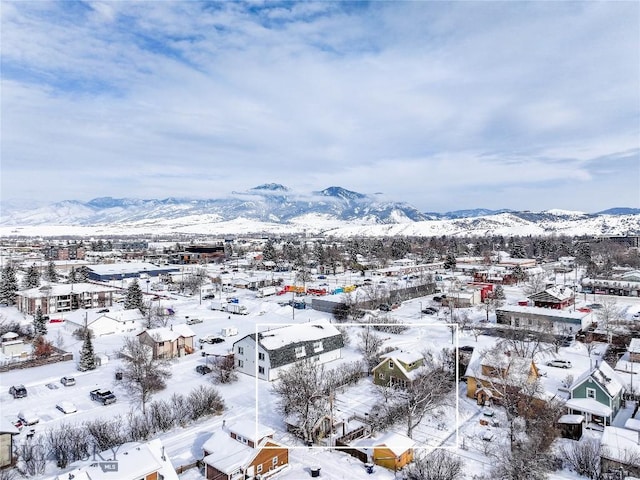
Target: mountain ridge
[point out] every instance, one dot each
(334, 208)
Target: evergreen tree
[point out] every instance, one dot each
(32, 278)
(73, 275)
(87, 355)
(52, 275)
(450, 262)
(134, 297)
(517, 251)
(498, 293)
(8, 285)
(39, 323)
(269, 252)
(518, 273)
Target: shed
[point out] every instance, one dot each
(571, 426)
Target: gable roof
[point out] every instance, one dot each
(620, 445)
(555, 294)
(395, 442)
(281, 343)
(604, 376)
(634, 346)
(402, 356)
(170, 334)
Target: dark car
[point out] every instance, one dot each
(104, 310)
(18, 391)
(429, 311)
(203, 369)
(384, 307)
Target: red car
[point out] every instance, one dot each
(56, 320)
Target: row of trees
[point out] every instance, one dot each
(68, 442)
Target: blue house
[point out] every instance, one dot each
(597, 395)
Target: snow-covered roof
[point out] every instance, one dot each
(134, 461)
(556, 293)
(547, 312)
(403, 356)
(395, 442)
(632, 424)
(169, 334)
(589, 405)
(621, 445)
(130, 267)
(251, 430)
(280, 337)
(227, 454)
(571, 419)
(634, 346)
(59, 289)
(608, 379)
(7, 427)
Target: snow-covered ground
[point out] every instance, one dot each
(457, 427)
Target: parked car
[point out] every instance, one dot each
(211, 339)
(52, 386)
(203, 369)
(193, 321)
(559, 363)
(18, 391)
(103, 396)
(56, 320)
(104, 310)
(429, 311)
(384, 307)
(68, 381)
(28, 417)
(67, 407)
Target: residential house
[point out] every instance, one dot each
(558, 297)
(620, 451)
(391, 450)
(597, 394)
(634, 350)
(64, 297)
(7, 431)
(397, 368)
(131, 461)
(491, 374)
(560, 322)
(244, 450)
(123, 321)
(282, 347)
(169, 342)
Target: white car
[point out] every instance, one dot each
(67, 407)
(28, 417)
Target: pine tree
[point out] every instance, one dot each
(134, 297)
(39, 323)
(269, 252)
(52, 275)
(73, 275)
(87, 355)
(450, 262)
(32, 278)
(8, 285)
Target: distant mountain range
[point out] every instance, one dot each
(330, 210)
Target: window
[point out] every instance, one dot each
(381, 375)
(317, 347)
(260, 356)
(261, 370)
(591, 393)
(240, 363)
(259, 468)
(300, 352)
(274, 461)
(390, 364)
(161, 344)
(240, 351)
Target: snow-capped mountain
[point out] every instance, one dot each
(275, 208)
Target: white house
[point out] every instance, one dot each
(131, 461)
(281, 347)
(124, 321)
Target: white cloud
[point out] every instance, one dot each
(420, 100)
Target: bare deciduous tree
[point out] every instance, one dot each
(437, 465)
(142, 374)
(224, 370)
(369, 346)
(303, 397)
(583, 457)
(535, 283)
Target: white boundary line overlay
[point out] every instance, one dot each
(429, 448)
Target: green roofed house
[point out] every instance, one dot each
(597, 395)
(397, 368)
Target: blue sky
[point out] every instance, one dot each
(444, 105)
